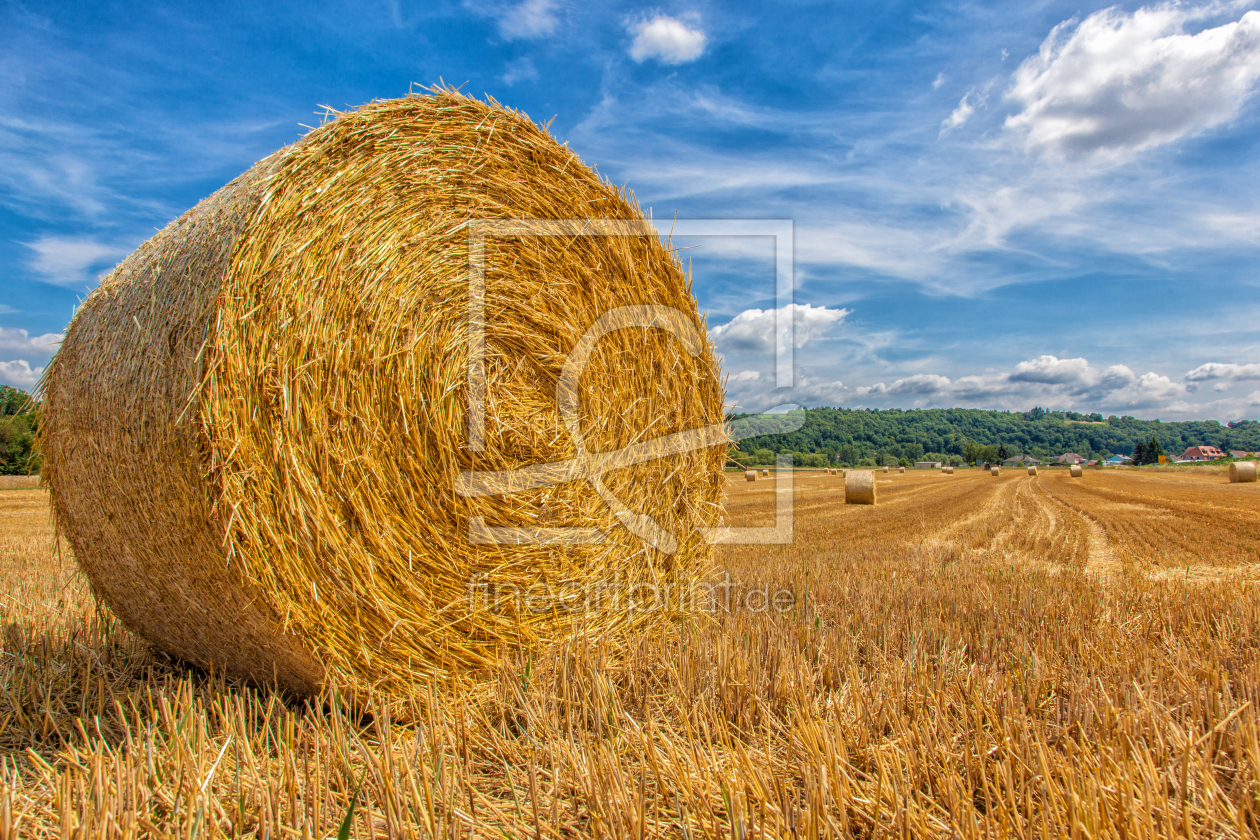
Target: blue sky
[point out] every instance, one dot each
(998, 205)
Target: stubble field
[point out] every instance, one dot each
(1015, 656)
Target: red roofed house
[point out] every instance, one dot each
(1202, 453)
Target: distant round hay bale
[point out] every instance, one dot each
(995, 471)
(765, 473)
(257, 431)
(1242, 472)
(901, 469)
(1032, 470)
(751, 475)
(859, 487)
(1076, 471)
(885, 469)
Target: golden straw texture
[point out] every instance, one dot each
(256, 426)
(859, 487)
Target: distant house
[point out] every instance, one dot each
(927, 465)
(1021, 461)
(1238, 453)
(1070, 458)
(1117, 460)
(1202, 453)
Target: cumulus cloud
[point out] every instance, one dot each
(1052, 371)
(1120, 82)
(753, 330)
(666, 39)
(1225, 372)
(19, 374)
(1044, 380)
(23, 343)
(72, 261)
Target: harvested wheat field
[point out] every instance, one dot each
(1020, 656)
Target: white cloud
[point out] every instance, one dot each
(753, 330)
(528, 19)
(522, 69)
(746, 376)
(19, 374)
(23, 343)
(939, 80)
(1118, 82)
(72, 261)
(960, 115)
(667, 39)
(1229, 372)
(1052, 371)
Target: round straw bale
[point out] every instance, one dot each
(1076, 471)
(1032, 470)
(995, 471)
(751, 475)
(859, 487)
(1242, 471)
(258, 432)
(901, 469)
(885, 469)
(765, 473)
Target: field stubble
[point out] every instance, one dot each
(974, 657)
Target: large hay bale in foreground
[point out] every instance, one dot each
(1076, 471)
(859, 487)
(1032, 470)
(1242, 471)
(257, 431)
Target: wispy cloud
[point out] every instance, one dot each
(523, 20)
(73, 261)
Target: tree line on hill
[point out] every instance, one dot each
(865, 437)
(17, 432)
(873, 437)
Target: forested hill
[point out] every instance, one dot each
(17, 433)
(886, 436)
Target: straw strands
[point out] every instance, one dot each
(255, 428)
(859, 487)
(1242, 472)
